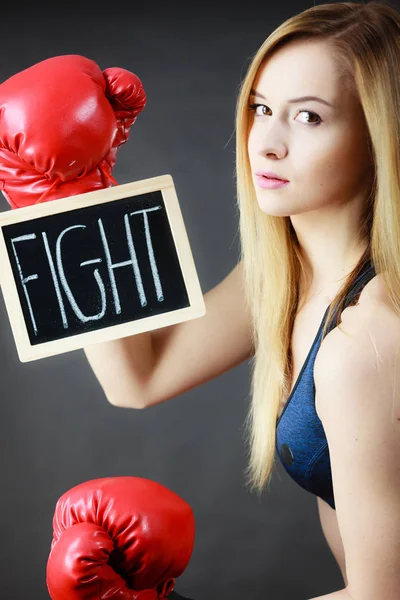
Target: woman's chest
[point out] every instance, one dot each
(305, 329)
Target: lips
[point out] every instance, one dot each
(270, 175)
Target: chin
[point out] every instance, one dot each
(272, 208)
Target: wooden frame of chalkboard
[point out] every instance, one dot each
(96, 267)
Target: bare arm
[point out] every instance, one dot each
(151, 367)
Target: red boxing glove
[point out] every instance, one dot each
(62, 121)
(119, 538)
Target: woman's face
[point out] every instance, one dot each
(322, 150)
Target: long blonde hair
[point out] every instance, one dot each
(364, 39)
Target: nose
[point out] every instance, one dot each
(268, 152)
(270, 145)
(270, 142)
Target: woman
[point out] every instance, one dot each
(319, 275)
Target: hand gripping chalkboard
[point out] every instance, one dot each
(97, 266)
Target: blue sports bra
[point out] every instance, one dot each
(301, 443)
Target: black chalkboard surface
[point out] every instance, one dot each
(96, 267)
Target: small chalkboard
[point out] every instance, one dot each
(97, 266)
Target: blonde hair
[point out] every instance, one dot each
(364, 39)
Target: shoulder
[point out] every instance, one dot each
(363, 352)
(370, 325)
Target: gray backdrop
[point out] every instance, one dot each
(57, 428)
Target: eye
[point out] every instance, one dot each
(260, 110)
(254, 108)
(309, 112)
